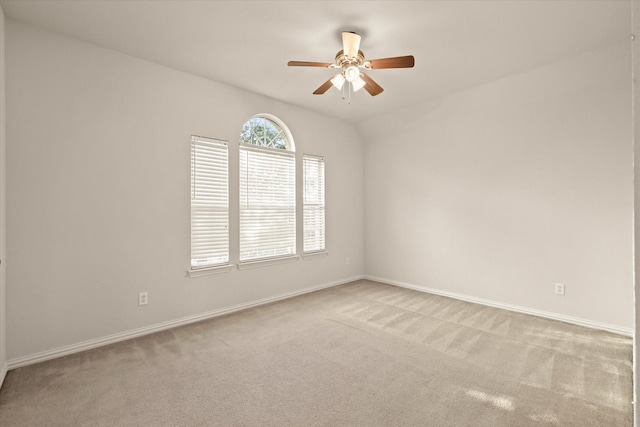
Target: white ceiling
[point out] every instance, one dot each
(247, 44)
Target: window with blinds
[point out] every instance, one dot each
(209, 202)
(267, 190)
(313, 197)
(267, 203)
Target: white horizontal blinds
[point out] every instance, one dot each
(209, 202)
(267, 204)
(314, 225)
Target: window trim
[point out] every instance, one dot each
(264, 262)
(288, 153)
(320, 160)
(206, 271)
(193, 269)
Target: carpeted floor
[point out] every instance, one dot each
(360, 354)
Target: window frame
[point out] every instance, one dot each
(318, 206)
(245, 149)
(214, 159)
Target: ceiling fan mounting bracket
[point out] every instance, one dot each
(343, 61)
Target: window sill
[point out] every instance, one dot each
(312, 255)
(209, 270)
(265, 262)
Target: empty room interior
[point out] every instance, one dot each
(323, 213)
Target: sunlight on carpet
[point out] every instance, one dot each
(359, 354)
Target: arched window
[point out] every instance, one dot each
(267, 190)
(265, 130)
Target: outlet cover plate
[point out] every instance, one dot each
(143, 298)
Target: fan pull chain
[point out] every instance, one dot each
(347, 87)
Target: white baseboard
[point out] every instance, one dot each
(135, 333)
(555, 316)
(111, 339)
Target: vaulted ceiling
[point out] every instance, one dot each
(247, 44)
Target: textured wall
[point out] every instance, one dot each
(636, 155)
(3, 229)
(503, 190)
(98, 192)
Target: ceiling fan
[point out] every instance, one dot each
(350, 61)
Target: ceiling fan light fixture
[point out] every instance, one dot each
(338, 81)
(357, 84)
(351, 73)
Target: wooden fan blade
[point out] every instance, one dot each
(323, 88)
(350, 44)
(308, 64)
(395, 62)
(370, 86)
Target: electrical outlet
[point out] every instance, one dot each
(559, 289)
(347, 261)
(143, 298)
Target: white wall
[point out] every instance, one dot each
(3, 234)
(98, 192)
(495, 193)
(499, 192)
(635, 29)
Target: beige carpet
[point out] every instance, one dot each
(361, 354)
